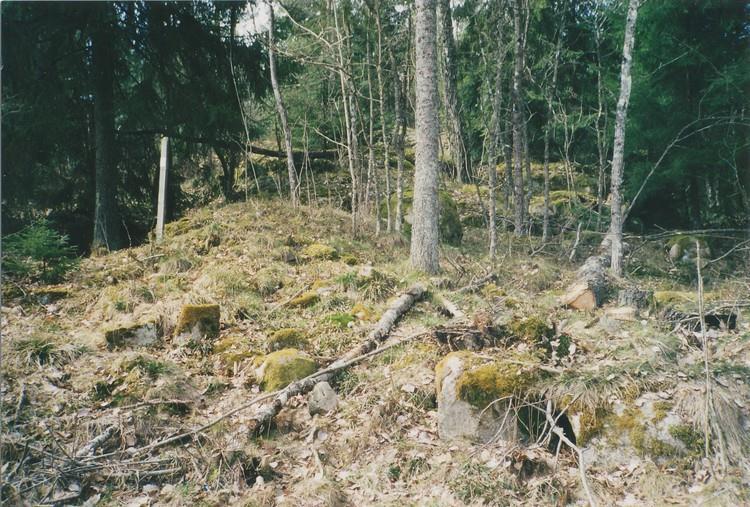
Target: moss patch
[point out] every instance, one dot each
(304, 300)
(287, 337)
(483, 382)
(285, 366)
(319, 251)
(341, 319)
(692, 439)
(451, 230)
(203, 317)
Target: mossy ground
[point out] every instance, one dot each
(251, 265)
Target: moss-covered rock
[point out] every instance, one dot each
(451, 230)
(281, 368)
(319, 251)
(304, 300)
(474, 395)
(683, 248)
(362, 312)
(341, 320)
(285, 338)
(199, 321)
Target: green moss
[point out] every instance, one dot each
(692, 439)
(287, 337)
(483, 382)
(304, 300)
(341, 319)
(319, 251)
(285, 366)
(642, 442)
(491, 290)
(451, 230)
(532, 330)
(591, 423)
(661, 409)
(349, 260)
(205, 317)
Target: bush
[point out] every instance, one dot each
(39, 253)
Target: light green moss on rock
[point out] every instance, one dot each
(319, 251)
(451, 230)
(304, 300)
(483, 382)
(532, 330)
(287, 337)
(205, 318)
(285, 366)
(637, 432)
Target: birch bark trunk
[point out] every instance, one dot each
(281, 109)
(615, 231)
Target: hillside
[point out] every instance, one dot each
(97, 372)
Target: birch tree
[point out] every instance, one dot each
(496, 139)
(615, 231)
(281, 110)
(547, 129)
(425, 208)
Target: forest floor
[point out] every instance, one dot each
(624, 373)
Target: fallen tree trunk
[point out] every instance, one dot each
(591, 286)
(401, 305)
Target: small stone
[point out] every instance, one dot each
(150, 489)
(322, 399)
(143, 334)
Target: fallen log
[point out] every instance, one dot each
(591, 286)
(380, 332)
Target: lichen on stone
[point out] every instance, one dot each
(281, 368)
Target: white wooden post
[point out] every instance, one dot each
(161, 206)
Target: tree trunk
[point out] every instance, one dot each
(281, 109)
(450, 95)
(496, 142)
(425, 233)
(381, 98)
(107, 224)
(601, 130)
(550, 95)
(372, 180)
(615, 231)
(399, 135)
(518, 193)
(348, 121)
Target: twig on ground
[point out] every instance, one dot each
(581, 465)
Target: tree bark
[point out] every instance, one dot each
(450, 94)
(399, 136)
(381, 97)
(518, 193)
(615, 231)
(281, 109)
(351, 140)
(496, 142)
(425, 233)
(601, 129)
(107, 223)
(547, 128)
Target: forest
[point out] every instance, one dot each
(375, 252)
